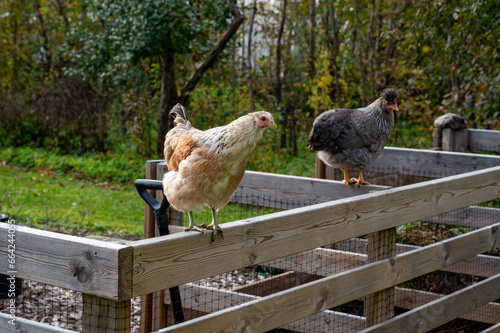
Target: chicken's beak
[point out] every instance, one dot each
(395, 107)
(272, 124)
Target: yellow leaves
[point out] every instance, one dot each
(425, 49)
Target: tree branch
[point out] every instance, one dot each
(212, 56)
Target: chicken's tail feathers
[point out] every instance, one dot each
(179, 114)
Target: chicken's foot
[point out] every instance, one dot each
(215, 226)
(194, 227)
(346, 179)
(360, 180)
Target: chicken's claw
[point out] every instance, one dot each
(216, 230)
(195, 228)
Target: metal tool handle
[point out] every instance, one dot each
(161, 215)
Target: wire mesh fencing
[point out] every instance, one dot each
(67, 309)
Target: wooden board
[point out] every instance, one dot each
(455, 140)
(176, 259)
(492, 329)
(285, 192)
(430, 163)
(484, 140)
(299, 302)
(442, 310)
(411, 299)
(82, 264)
(204, 300)
(27, 326)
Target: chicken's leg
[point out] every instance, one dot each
(192, 226)
(360, 180)
(215, 226)
(346, 180)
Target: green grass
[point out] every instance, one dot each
(59, 202)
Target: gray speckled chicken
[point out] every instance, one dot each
(353, 139)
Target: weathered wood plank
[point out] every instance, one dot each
(82, 264)
(455, 140)
(285, 192)
(326, 262)
(204, 300)
(104, 315)
(470, 217)
(159, 264)
(149, 232)
(27, 326)
(299, 302)
(430, 163)
(411, 299)
(443, 310)
(484, 140)
(492, 329)
(379, 306)
(276, 283)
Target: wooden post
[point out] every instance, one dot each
(380, 305)
(102, 315)
(320, 169)
(455, 140)
(149, 232)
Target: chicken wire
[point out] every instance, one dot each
(63, 308)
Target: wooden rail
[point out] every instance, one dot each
(111, 274)
(90, 266)
(440, 311)
(159, 263)
(305, 300)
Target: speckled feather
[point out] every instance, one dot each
(205, 167)
(345, 138)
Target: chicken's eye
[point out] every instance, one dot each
(263, 118)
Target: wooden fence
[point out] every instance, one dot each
(329, 212)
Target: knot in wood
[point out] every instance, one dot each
(252, 258)
(82, 273)
(88, 255)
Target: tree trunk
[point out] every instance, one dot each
(277, 83)
(360, 55)
(168, 96)
(312, 37)
(249, 57)
(370, 50)
(335, 50)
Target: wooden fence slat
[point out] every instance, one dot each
(484, 140)
(411, 299)
(430, 163)
(326, 262)
(299, 302)
(284, 192)
(204, 300)
(158, 263)
(379, 306)
(82, 264)
(443, 310)
(492, 329)
(455, 140)
(27, 326)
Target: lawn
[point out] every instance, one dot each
(48, 200)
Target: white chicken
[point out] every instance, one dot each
(206, 167)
